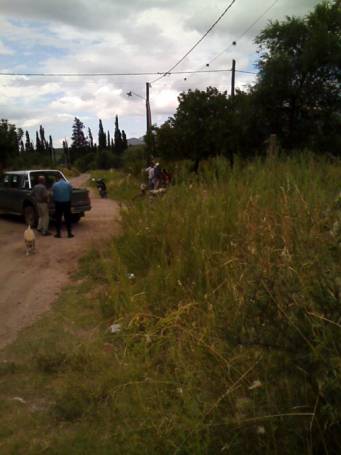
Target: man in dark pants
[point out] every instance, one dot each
(61, 194)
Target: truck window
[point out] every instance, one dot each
(6, 181)
(50, 177)
(15, 181)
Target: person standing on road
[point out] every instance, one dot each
(41, 195)
(61, 194)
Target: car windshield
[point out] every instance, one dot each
(50, 177)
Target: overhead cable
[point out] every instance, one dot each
(245, 32)
(121, 74)
(197, 43)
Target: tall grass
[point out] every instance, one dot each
(227, 291)
(236, 281)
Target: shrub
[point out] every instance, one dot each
(135, 159)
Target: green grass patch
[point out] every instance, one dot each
(122, 187)
(227, 294)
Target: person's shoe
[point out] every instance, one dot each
(46, 233)
(70, 235)
(57, 236)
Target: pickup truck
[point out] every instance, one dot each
(15, 195)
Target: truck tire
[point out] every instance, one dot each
(30, 216)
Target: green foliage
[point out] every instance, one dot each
(134, 159)
(227, 292)
(102, 139)
(9, 148)
(79, 144)
(30, 160)
(296, 97)
(119, 145)
(300, 76)
(121, 186)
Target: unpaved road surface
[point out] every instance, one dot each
(30, 284)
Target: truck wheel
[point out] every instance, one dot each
(30, 216)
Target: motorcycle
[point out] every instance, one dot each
(102, 188)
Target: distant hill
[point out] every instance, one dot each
(135, 141)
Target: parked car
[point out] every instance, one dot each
(15, 195)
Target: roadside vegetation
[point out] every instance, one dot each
(225, 297)
(212, 324)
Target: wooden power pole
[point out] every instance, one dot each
(233, 77)
(148, 113)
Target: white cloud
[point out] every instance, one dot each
(5, 50)
(110, 36)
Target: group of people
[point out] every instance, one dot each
(60, 194)
(157, 177)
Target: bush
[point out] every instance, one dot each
(135, 159)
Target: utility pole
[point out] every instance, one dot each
(233, 77)
(148, 113)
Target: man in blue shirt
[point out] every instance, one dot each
(61, 195)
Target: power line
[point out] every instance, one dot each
(245, 31)
(242, 34)
(122, 74)
(197, 43)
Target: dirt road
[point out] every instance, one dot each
(30, 284)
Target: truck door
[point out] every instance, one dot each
(14, 198)
(4, 186)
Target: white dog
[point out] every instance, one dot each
(29, 238)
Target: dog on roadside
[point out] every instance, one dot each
(30, 241)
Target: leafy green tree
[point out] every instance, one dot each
(9, 146)
(102, 139)
(200, 125)
(300, 76)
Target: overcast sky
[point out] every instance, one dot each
(111, 36)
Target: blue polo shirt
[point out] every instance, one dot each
(61, 191)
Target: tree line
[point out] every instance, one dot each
(84, 153)
(296, 97)
(17, 147)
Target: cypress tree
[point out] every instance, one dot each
(51, 150)
(91, 141)
(124, 140)
(38, 143)
(102, 140)
(118, 138)
(28, 143)
(108, 140)
(43, 142)
(79, 142)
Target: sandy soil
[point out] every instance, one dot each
(30, 284)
